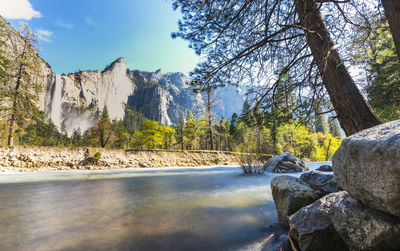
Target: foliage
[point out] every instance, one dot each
(271, 45)
(190, 131)
(4, 61)
(334, 128)
(20, 94)
(327, 146)
(102, 134)
(152, 135)
(97, 156)
(295, 139)
(132, 119)
(321, 125)
(378, 56)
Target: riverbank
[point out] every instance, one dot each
(31, 159)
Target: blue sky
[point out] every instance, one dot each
(89, 34)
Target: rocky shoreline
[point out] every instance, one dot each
(356, 208)
(31, 159)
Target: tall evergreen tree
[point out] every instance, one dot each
(20, 94)
(4, 61)
(334, 127)
(190, 130)
(179, 136)
(378, 56)
(232, 128)
(247, 113)
(132, 119)
(101, 134)
(320, 121)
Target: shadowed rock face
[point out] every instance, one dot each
(367, 165)
(290, 194)
(312, 229)
(325, 183)
(363, 228)
(338, 222)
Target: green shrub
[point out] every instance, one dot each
(97, 156)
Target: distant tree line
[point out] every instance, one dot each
(250, 132)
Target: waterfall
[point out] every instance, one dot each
(55, 113)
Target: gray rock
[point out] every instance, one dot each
(320, 181)
(367, 165)
(290, 194)
(363, 228)
(325, 168)
(285, 163)
(338, 221)
(311, 228)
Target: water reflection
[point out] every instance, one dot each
(167, 209)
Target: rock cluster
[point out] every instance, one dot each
(291, 194)
(366, 215)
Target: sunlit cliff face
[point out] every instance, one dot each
(76, 98)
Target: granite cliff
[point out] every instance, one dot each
(76, 99)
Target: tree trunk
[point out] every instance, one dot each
(210, 131)
(11, 131)
(392, 12)
(353, 111)
(181, 131)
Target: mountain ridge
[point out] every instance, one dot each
(74, 100)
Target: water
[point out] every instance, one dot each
(140, 209)
(55, 113)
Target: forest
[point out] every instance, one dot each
(294, 106)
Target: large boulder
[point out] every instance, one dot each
(367, 165)
(338, 221)
(311, 228)
(323, 182)
(325, 168)
(363, 228)
(290, 194)
(285, 163)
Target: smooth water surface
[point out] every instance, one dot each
(138, 209)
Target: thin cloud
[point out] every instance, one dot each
(89, 21)
(44, 35)
(18, 9)
(61, 23)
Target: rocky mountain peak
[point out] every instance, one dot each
(118, 65)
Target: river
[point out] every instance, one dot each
(204, 208)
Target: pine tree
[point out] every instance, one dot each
(121, 136)
(383, 68)
(179, 136)
(334, 127)
(223, 131)
(102, 133)
(168, 135)
(132, 119)
(246, 115)
(4, 61)
(190, 130)
(232, 128)
(320, 122)
(21, 92)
